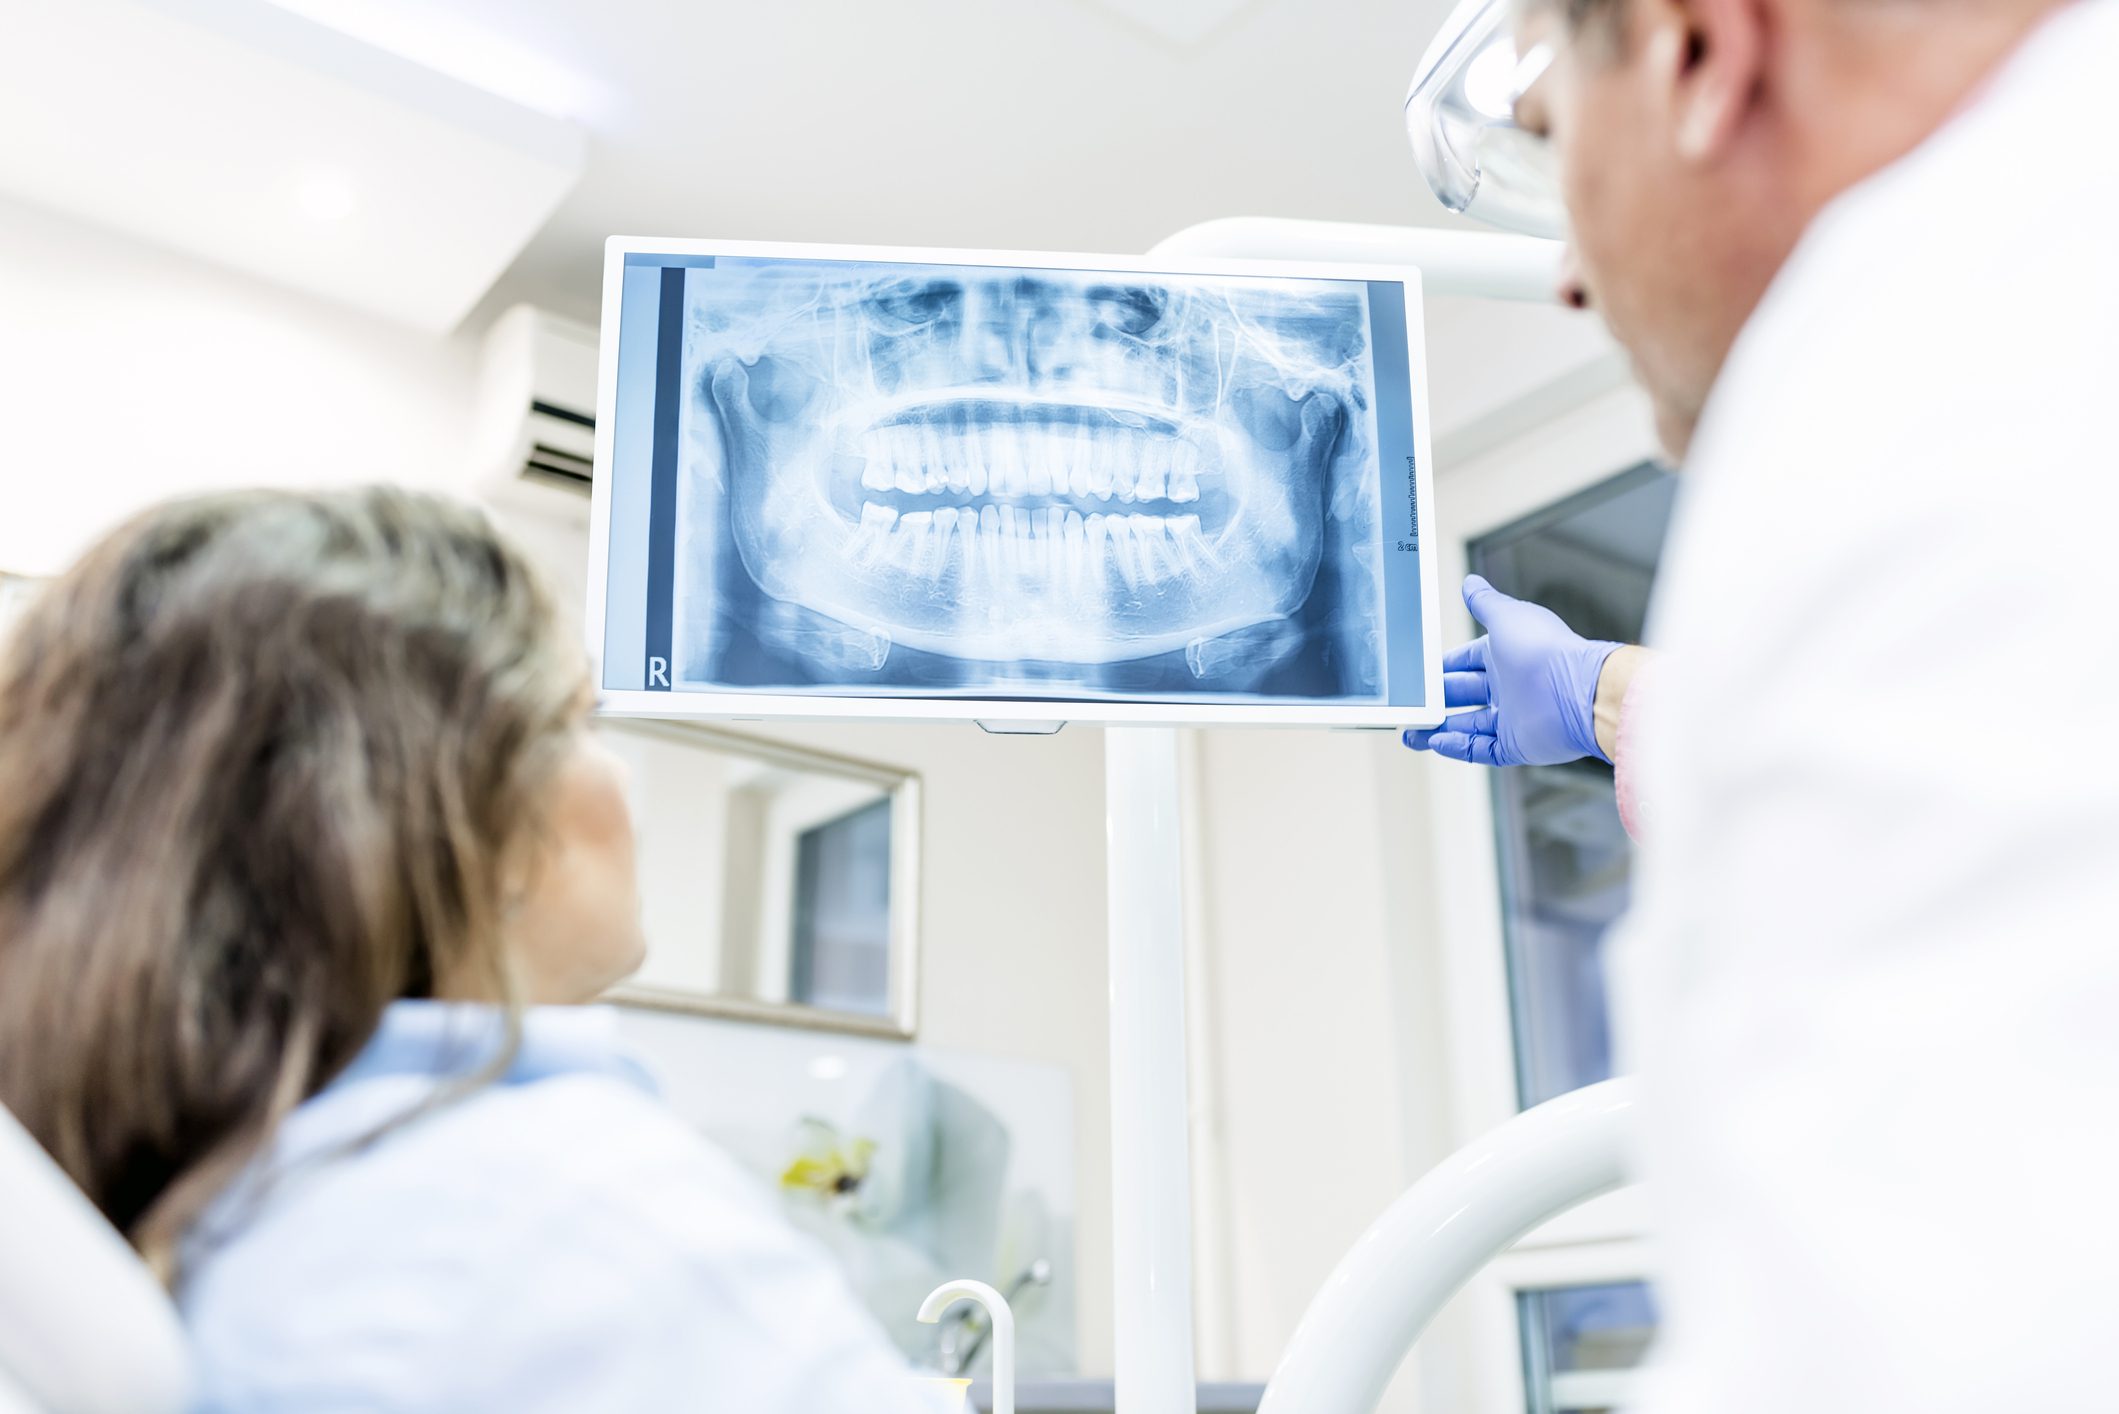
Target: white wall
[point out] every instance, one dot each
(1323, 1098)
(128, 375)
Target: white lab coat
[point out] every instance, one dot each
(1872, 979)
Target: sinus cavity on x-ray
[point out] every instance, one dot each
(856, 478)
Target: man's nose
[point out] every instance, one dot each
(1572, 289)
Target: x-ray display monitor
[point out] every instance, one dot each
(936, 484)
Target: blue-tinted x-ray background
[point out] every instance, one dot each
(901, 478)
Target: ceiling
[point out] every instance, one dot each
(1093, 125)
(239, 133)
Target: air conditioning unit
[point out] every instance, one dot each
(535, 436)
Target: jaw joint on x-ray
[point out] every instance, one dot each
(1052, 473)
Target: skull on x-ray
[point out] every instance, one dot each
(1048, 474)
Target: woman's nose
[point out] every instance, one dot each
(1572, 289)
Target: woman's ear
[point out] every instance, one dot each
(1716, 68)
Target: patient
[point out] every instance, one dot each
(304, 846)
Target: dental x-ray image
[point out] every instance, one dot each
(1025, 483)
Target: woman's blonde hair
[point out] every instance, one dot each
(264, 762)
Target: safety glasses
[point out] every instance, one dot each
(1460, 115)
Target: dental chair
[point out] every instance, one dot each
(84, 1326)
(1469, 1209)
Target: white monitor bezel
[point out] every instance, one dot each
(696, 705)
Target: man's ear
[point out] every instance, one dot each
(1716, 70)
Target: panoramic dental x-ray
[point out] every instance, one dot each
(1022, 483)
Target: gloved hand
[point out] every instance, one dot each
(1534, 677)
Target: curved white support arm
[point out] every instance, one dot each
(1466, 1211)
(947, 1295)
(1492, 265)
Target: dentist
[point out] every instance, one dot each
(1861, 253)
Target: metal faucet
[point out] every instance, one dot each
(963, 1338)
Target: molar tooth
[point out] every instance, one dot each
(1124, 550)
(1151, 542)
(915, 540)
(1095, 470)
(876, 475)
(937, 479)
(1096, 533)
(1177, 538)
(908, 539)
(869, 539)
(1184, 486)
(1190, 546)
(948, 525)
(1125, 470)
(1151, 486)
(1102, 475)
(910, 479)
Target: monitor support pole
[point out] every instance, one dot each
(1151, 1178)
(1151, 1188)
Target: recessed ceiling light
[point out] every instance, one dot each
(324, 196)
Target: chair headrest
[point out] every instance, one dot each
(84, 1326)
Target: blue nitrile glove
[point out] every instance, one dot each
(1535, 678)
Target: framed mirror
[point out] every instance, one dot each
(777, 883)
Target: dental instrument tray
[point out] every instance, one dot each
(858, 482)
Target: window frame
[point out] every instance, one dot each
(1605, 1239)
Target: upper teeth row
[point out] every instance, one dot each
(1132, 467)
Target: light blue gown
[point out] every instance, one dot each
(555, 1241)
